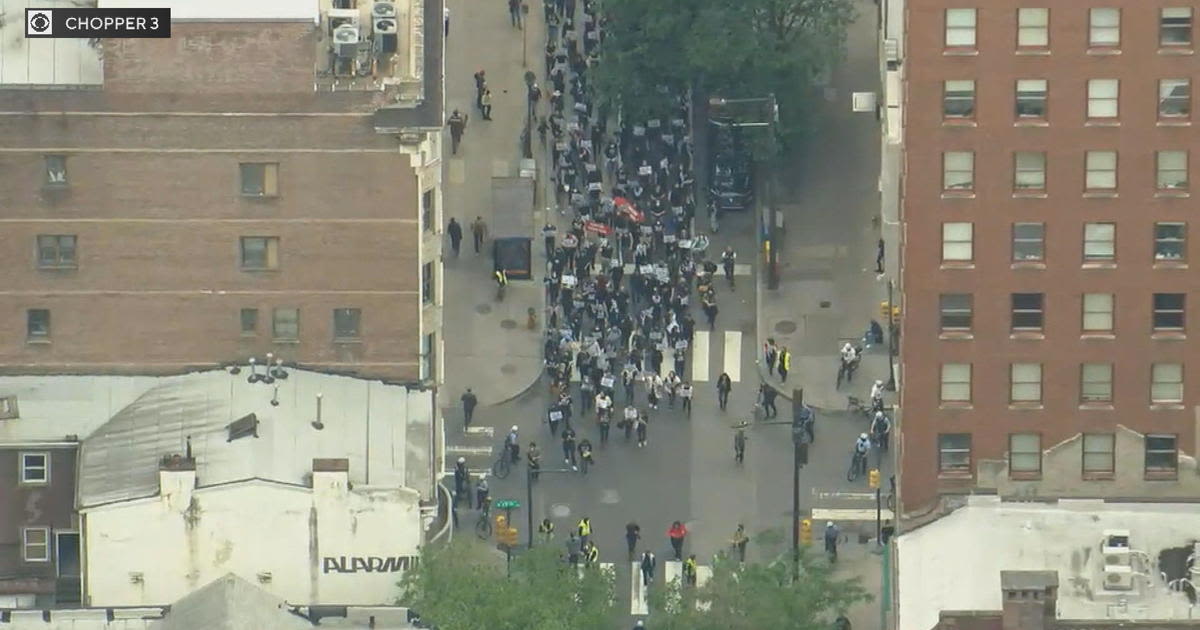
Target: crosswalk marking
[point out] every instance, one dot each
(733, 355)
(637, 593)
(738, 270)
(674, 571)
(849, 514)
(700, 356)
(607, 567)
(488, 431)
(703, 575)
(469, 450)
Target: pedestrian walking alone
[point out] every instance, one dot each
(768, 395)
(462, 481)
(469, 401)
(485, 104)
(677, 533)
(568, 447)
(574, 548)
(724, 386)
(770, 354)
(454, 231)
(785, 363)
(458, 124)
(549, 231)
(546, 530)
(478, 233)
(649, 563)
(514, 12)
(642, 423)
(879, 257)
(831, 540)
(480, 85)
(739, 542)
(633, 533)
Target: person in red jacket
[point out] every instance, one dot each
(677, 533)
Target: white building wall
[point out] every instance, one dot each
(328, 545)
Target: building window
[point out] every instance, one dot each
(56, 170)
(1095, 383)
(1099, 242)
(1102, 98)
(1025, 454)
(1033, 28)
(954, 453)
(1170, 242)
(35, 468)
(1029, 242)
(260, 179)
(347, 323)
(35, 544)
(428, 356)
(956, 383)
(1029, 171)
(1169, 312)
(260, 253)
(427, 210)
(1104, 29)
(958, 171)
(1166, 383)
(1172, 170)
(1175, 26)
(1099, 453)
(37, 324)
(960, 28)
(956, 311)
(1027, 311)
(427, 284)
(1031, 99)
(56, 251)
(285, 324)
(1101, 170)
(8, 408)
(958, 99)
(1162, 458)
(1174, 98)
(1026, 383)
(958, 242)
(1097, 312)
(249, 321)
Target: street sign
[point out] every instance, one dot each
(507, 504)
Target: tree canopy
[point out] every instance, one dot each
(757, 596)
(742, 49)
(463, 586)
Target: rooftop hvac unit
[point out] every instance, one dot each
(385, 36)
(1118, 578)
(1116, 549)
(383, 9)
(345, 41)
(341, 17)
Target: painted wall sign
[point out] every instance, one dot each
(367, 564)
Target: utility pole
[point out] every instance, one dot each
(801, 416)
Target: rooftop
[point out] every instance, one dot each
(128, 423)
(44, 63)
(955, 563)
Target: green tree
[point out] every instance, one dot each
(748, 48)
(464, 586)
(756, 596)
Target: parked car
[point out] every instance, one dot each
(731, 180)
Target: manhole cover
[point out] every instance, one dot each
(483, 309)
(560, 510)
(785, 327)
(826, 303)
(508, 324)
(610, 496)
(508, 368)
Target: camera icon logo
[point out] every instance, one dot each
(39, 22)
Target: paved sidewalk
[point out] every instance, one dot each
(828, 290)
(488, 344)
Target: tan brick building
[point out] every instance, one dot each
(242, 188)
(1047, 346)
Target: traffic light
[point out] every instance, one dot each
(806, 532)
(508, 536)
(883, 310)
(501, 522)
(873, 478)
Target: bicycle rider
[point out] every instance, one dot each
(881, 428)
(533, 457)
(728, 257)
(511, 446)
(877, 396)
(861, 446)
(481, 496)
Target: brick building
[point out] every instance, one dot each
(252, 185)
(1046, 266)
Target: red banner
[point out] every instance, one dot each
(627, 209)
(595, 227)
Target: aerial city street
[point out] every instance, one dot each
(597, 315)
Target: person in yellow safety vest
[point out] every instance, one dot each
(593, 554)
(689, 570)
(501, 278)
(585, 530)
(546, 529)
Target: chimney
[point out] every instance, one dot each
(176, 480)
(1030, 599)
(331, 477)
